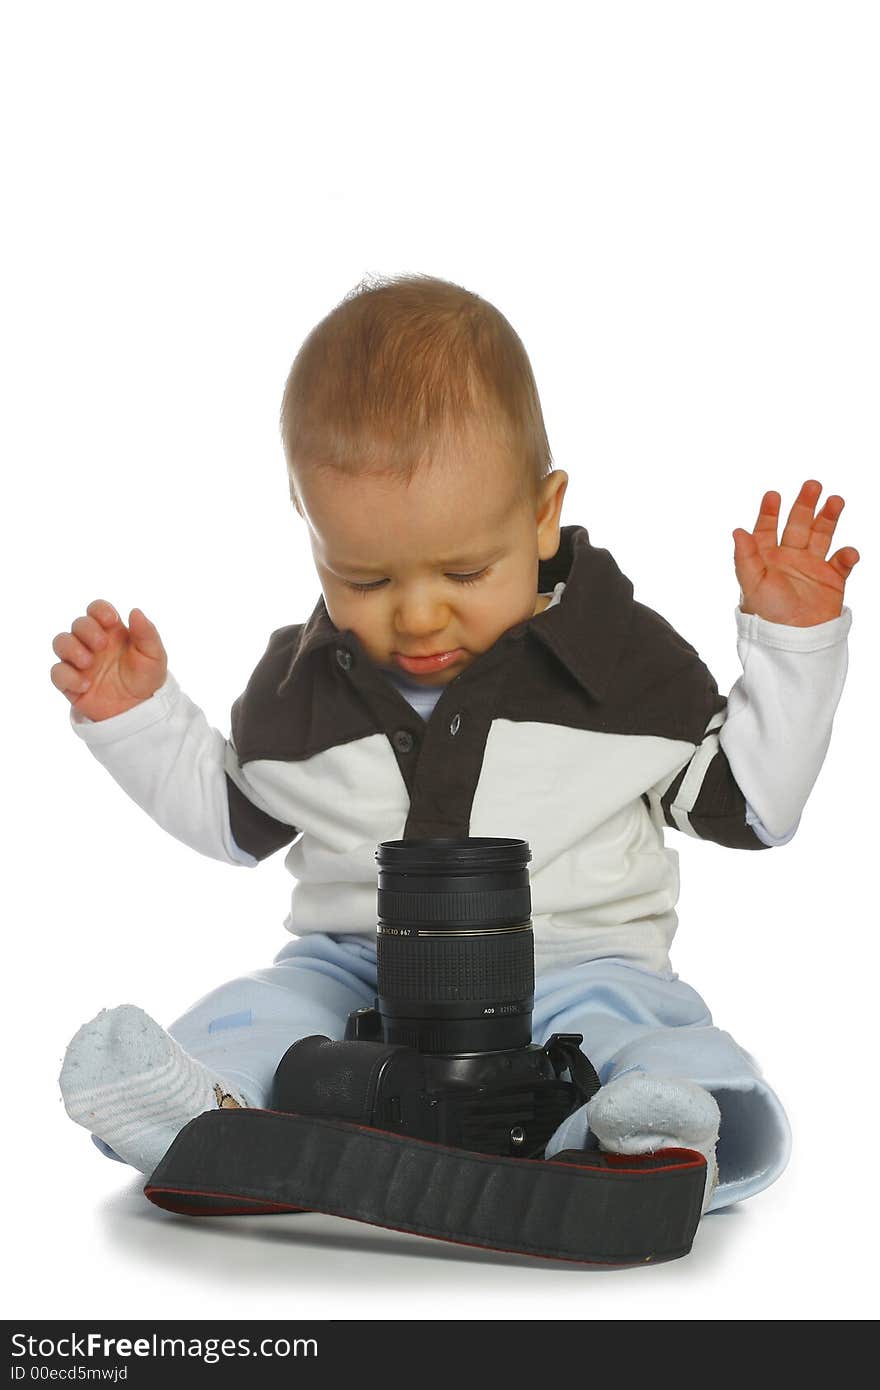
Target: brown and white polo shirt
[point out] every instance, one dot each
(587, 730)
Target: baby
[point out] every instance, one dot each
(472, 668)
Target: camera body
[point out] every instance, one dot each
(507, 1102)
(446, 1053)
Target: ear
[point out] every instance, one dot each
(548, 511)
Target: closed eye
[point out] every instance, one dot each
(377, 584)
(469, 578)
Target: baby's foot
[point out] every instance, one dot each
(637, 1113)
(128, 1081)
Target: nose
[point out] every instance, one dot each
(419, 615)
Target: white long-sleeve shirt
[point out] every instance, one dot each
(587, 730)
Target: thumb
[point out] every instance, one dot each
(145, 634)
(747, 560)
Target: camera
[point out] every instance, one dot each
(446, 1052)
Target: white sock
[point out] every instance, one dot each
(638, 1113)
(127, 1081)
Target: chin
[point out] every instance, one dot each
(442, 677)
(433, 678)
(430, 677)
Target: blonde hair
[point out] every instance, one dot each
(401, 364)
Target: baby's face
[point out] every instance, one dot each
(440, 568)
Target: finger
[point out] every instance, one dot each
(104, 612)
(800, 519)
(844, 561)
(90, 633)
(68, 680)
(768, 513)
(747, 560)
(765, 526)
(72, 650)
(823, 527)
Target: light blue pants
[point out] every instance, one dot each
(630, 1018)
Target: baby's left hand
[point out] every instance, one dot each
(792, 582)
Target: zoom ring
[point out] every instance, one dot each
(457, 968)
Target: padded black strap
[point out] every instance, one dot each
(580, 1205)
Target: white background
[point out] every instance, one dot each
(676, 205)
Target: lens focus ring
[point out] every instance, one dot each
(477, 909)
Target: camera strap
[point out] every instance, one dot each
(581, 1205)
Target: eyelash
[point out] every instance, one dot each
(458, 578)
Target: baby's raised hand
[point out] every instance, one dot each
(790, 581)
(106, 667)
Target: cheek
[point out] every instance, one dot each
(482, 608)
(491, 612)
(339, 606)
(368, 618)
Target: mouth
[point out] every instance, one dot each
(422, 665)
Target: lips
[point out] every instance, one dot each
(421, 665)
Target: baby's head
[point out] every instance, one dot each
(418, 459)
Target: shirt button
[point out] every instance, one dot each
(403, 741)
(455, 725)
(344, 658)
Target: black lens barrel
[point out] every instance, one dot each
(455, 952)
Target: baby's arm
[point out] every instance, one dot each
(792, 629)
(748, 779)
(155, 742)
(779, 716)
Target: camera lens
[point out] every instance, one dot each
(455, 954)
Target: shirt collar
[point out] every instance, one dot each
(585, 630)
